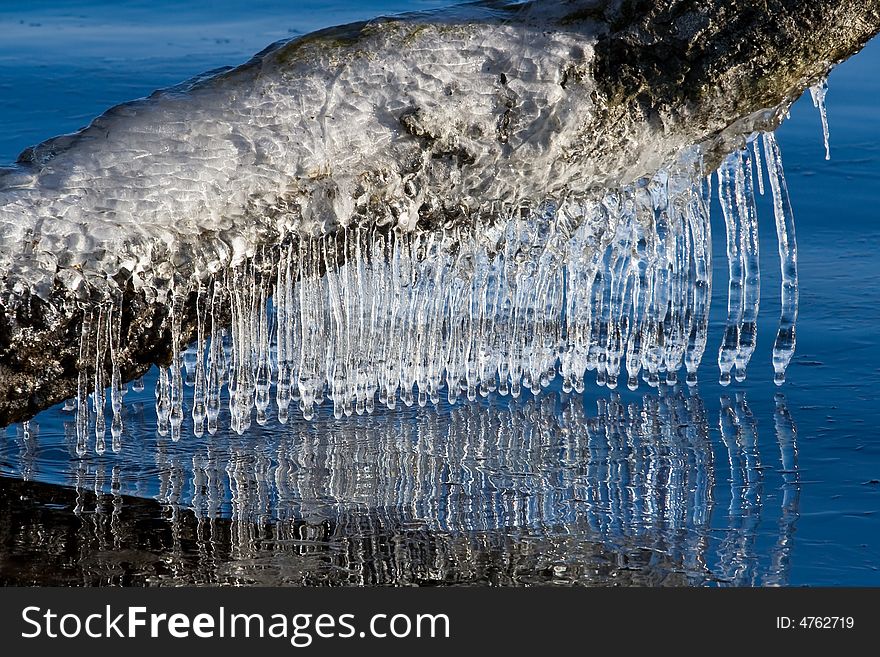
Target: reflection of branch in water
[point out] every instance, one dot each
(538, 491)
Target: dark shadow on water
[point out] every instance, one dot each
(131, 542)
(660, 491)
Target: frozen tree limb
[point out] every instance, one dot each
(408, 123)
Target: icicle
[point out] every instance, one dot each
(783, 348)
(701, 239)
(641, 294)
(818, 92)
(216, 370)
(732, 222)
(189, 358)
(116, 386)
(745, 201)
(263, 376)
(82, 394)
(283, 301)
(199, 410)
(163, 401)
(98, 395)
(679, 318)
(175, 398)
(759, 167)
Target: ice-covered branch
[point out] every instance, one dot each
(418, 132)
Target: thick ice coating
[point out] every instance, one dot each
(403, 122)
(307, 138)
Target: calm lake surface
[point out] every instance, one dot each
(746, 485)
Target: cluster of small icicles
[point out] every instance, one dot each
(619, 286)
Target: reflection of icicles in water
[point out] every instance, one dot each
(737, 552)
(558, 473)
(786, 433)
(739, 433)
(818, 92)
(618, 284)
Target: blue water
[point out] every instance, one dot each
(750, 484)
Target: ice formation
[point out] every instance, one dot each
(818, 92)
(436, 205)
(618, 285)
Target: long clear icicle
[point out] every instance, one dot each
(82, 386)
(99, 397)
(701, 238)
(751, 301)
(733, 229)
(783, 347)
(818, 92)
(116, 386)
(759, 167)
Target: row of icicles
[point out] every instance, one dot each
(619, 286)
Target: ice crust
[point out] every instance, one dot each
(304, 139)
